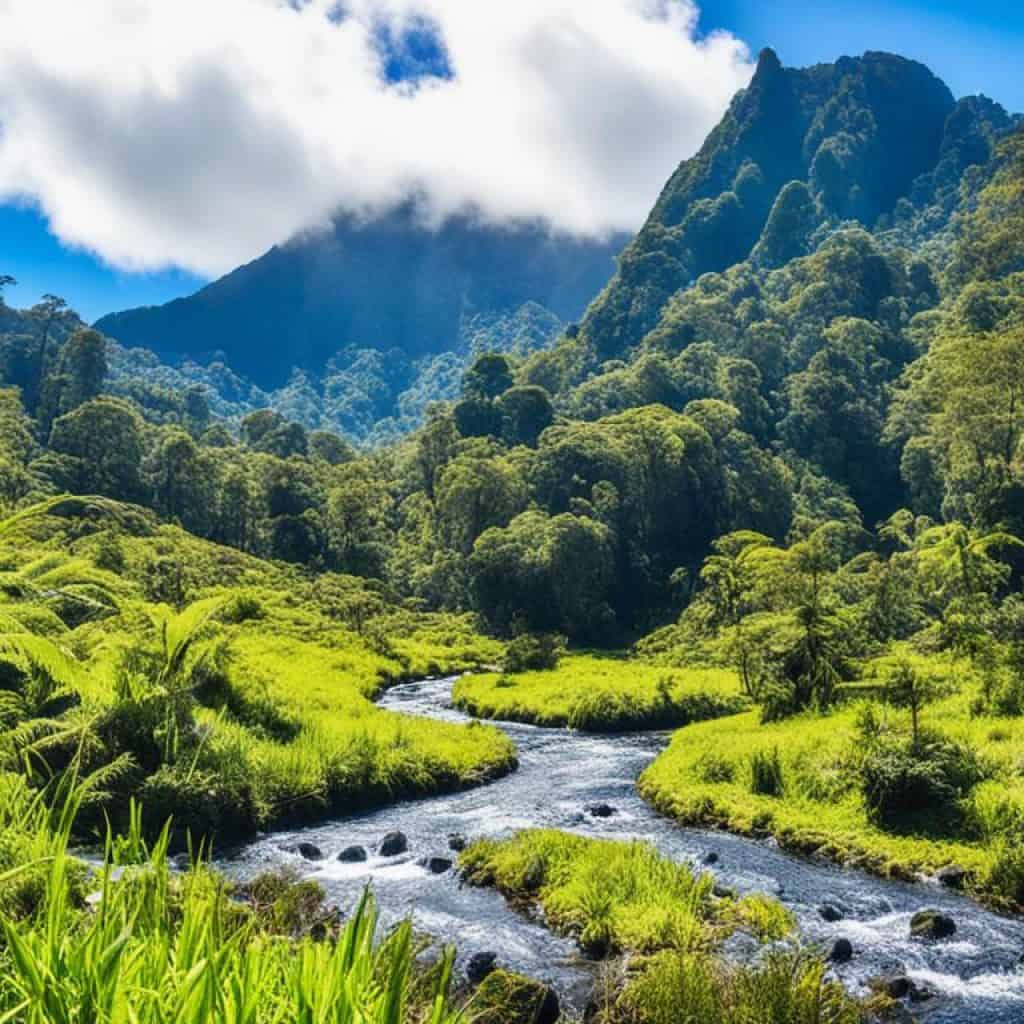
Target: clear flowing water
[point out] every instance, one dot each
(975, 974)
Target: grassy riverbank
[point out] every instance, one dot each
(625, 898)
(599, 693)
(800, 780)
(227, 692)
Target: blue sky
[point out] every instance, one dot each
(974, 47)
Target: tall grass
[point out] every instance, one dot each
(615, 896)
(148, 947)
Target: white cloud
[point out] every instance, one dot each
(199, 132)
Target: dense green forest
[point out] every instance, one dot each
(780, 461)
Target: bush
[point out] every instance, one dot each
(712, 767)
(907, 785)
(531, 652)
(766, 777)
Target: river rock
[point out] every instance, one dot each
(480, 965)
(830, 912)
(507, 998)
(437, 865)
(953, 876)
(600, 810)
(710, 858)
(722, 892)
(899, 986)
(842, 951)
(353, 855)
(931, 925)
(308, 851)
(457, 842)
(393, 844)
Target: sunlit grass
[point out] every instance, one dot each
(602, 694)
(705, 777)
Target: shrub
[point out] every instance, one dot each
(712, 767)
(532, 652)
(908, 785)
(766, 776)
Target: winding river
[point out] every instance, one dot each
(975, 975)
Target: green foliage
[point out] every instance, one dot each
(529, 652)
(919, 784)
(766, 774)
(597, 694)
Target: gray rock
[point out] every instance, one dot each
(480, 965)
(710, 858)
(393, 844)
(931, 925)
(842, 951)
(953, 876)
(601, 810)
(308, 851)
(353, 855)
(457, 842)
(437, 865)
(830, 912)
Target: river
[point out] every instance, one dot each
(975, 974)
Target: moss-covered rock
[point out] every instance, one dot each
(504, 997)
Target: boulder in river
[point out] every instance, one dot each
(437, 865)
(842, 951)
(931, 925)
(393, 844)
(507, 998)
(830, 912)
(710, 858)
(480, 965)
(353, 855)
(952, 876)
(457, 842)
(899, 986)
(600, 810)
(308, 851)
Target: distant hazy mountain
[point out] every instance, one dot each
(386, 285)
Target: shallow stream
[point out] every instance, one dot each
(975, 974)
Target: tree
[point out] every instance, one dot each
(52, 311)
(6, 281)
(77, 377)
(105, 438)
(730, 581)
(527, 412)
(489, 376)
(475, 493)
(907, 688)
(184, 487)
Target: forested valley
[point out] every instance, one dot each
(767, 492)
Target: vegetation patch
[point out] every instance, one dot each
(602, 694)
(626, 898)
(821, 785)
(228, 693)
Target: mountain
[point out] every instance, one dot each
(797, 149)
(388, 284)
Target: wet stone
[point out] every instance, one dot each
(308, 851)
(393, 844)
(480, 965)
(932, 925)
(353, 855)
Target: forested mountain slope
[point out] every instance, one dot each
(366, 311)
